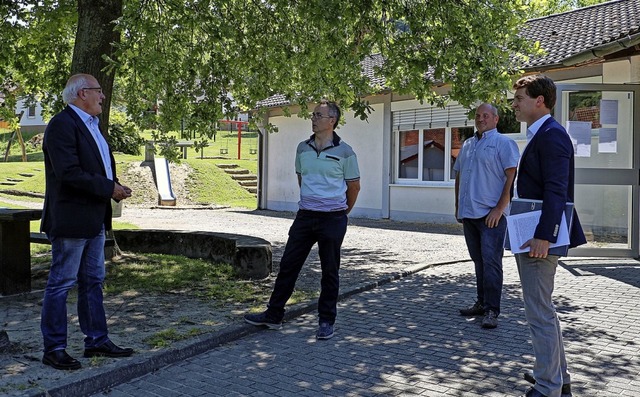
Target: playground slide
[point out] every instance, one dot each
(163, 182)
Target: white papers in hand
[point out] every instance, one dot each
(522, 227)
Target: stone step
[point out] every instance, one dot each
(227, 166)
(239, 171)
(244, 177)
(14, 180)
(26, 175)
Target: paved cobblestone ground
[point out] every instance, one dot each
(406, 338)
(401, 338)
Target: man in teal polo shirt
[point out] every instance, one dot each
(329, 181)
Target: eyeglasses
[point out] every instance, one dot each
(320, 116)
(99, 89)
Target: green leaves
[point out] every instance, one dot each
(201, 60)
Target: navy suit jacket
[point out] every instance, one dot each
(78, 193)
(546, 173)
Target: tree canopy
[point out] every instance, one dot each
(191, 56)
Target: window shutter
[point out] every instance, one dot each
(431, 117)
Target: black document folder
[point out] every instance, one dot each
(520, 205)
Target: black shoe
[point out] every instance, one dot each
(325, 331)
(566, 388)
(476, 310)
(108, 349)
(263, 318)
(59, 359)
(490, 320)
(532, 392)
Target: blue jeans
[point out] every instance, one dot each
(485, 246)
(74, 260)
(328, 230)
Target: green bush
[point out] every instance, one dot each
(123, 134)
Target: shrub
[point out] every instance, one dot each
(123, 134)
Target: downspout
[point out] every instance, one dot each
(603, 50)
(261, 161)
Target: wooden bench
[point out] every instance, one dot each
(149, 151)
(15, 256)
(41, 238)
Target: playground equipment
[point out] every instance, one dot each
(239, 124)
(163, 182)
(162, 176)
(225, 150)
(16, 134)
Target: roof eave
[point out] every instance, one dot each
(602, 50)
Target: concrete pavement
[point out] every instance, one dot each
(405, 338)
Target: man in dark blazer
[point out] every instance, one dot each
(545, 173)
(80, 183)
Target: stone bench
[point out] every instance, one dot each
(41, 238)
(250, 256)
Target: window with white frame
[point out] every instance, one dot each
(427, 143)
(31, 112)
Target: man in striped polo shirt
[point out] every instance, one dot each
(329, 181)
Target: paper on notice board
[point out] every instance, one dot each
(608, 111)
(580, 133)
(608, 140)
(522, 227)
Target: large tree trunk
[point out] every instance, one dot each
(94, 39)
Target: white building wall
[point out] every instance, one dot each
(366, 139)
(30, 124)
(616, 72)
(423, 203)
(281, 182)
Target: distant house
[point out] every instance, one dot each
(31, 120)
(406, 149)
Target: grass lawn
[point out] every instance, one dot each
(28, 177)
(209, 184)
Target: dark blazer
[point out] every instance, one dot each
(78, 193)
(546, 173)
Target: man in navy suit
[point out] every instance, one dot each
(545, 173)
(80, 183)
